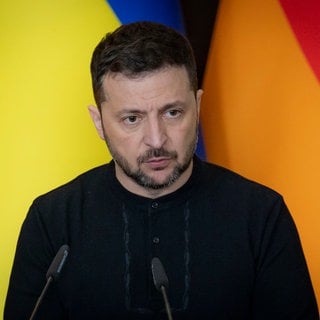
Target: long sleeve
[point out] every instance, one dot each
(283, 287)
(34, 253)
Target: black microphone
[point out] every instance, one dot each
(53, 274)
(161, 282)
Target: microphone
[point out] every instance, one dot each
(53, 274)
(161, 282)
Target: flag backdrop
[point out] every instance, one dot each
(261, 107)
(46, 134)
(47, 137)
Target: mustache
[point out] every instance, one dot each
(156, 153)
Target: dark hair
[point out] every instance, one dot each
(140, 47)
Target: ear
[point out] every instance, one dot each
(97, 120)
(199, 95)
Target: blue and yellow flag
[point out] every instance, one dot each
(46, 134)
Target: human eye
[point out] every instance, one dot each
(173, 113)
(131, 119)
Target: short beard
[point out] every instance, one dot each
(143, 179)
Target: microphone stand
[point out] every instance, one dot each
(161, 282)
(44, 290)
(53, 273)
(166, 302)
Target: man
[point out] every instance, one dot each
(229, 245)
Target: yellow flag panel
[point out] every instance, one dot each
(46, 135)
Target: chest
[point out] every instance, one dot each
(111, 259)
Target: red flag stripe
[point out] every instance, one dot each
(304, 18)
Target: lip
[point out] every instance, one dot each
(158, 163)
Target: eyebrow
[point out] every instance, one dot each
(176, 104)
(162, 109)
(173, 105)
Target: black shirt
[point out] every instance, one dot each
(229, 247)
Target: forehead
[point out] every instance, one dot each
(164, 82)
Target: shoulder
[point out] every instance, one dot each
(228, 186)
(217, 175)
(93, 181)
(243, 204)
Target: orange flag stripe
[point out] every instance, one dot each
(260, 111)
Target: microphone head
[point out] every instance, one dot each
(58, 262)
(160, 278)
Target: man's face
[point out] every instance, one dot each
(150, 126)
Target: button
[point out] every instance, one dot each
(155, 240)
(155, 205)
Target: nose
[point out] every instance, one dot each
(155, 134)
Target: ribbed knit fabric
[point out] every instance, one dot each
(229, 247)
